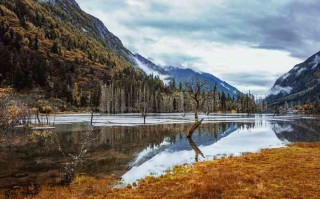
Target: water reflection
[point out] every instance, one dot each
(211, 140)
(133, 152)
(297, 131)
(196, 149)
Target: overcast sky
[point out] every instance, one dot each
(248, 43)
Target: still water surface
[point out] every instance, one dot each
(131, 151)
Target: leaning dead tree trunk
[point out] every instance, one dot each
(194, 127)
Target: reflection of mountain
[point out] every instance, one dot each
(297, 131)
(204, 136)
(234, 139)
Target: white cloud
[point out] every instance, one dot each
(218, 37)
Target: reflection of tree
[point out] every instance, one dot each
(246, 126)
(216, 131)
(224, 127)
(196, 149)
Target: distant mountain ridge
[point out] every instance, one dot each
(302, 79)
(183, 75)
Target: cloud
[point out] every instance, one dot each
(250, 79)
(222, 37)
(254, 82)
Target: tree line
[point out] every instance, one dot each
(129, 95)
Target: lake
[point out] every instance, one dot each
(130, 150)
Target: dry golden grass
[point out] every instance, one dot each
(292, 172)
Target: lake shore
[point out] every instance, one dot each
(290, 172)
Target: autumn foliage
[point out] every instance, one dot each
(11, 110)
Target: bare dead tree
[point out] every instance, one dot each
(72, 162)
(144, 105)
(184, 100)
(37, 117)
(211, 101)
(197, 91)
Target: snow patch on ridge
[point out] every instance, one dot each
(295, 68)
(285, 76)
(315, 62)
(300, 71)
(222, 84)
(84, 30)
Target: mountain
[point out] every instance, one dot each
(183, 75)
(187, 75)
(55, 51)
(300, 83)
(149, 67)
(90, 25)
(55, 47)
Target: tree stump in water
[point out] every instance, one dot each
(194, 127)
(91, 120)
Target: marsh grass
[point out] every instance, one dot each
(291, 172)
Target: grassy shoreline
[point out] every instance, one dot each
(290, 172)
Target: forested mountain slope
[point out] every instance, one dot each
(52, 50)
(55, 47)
